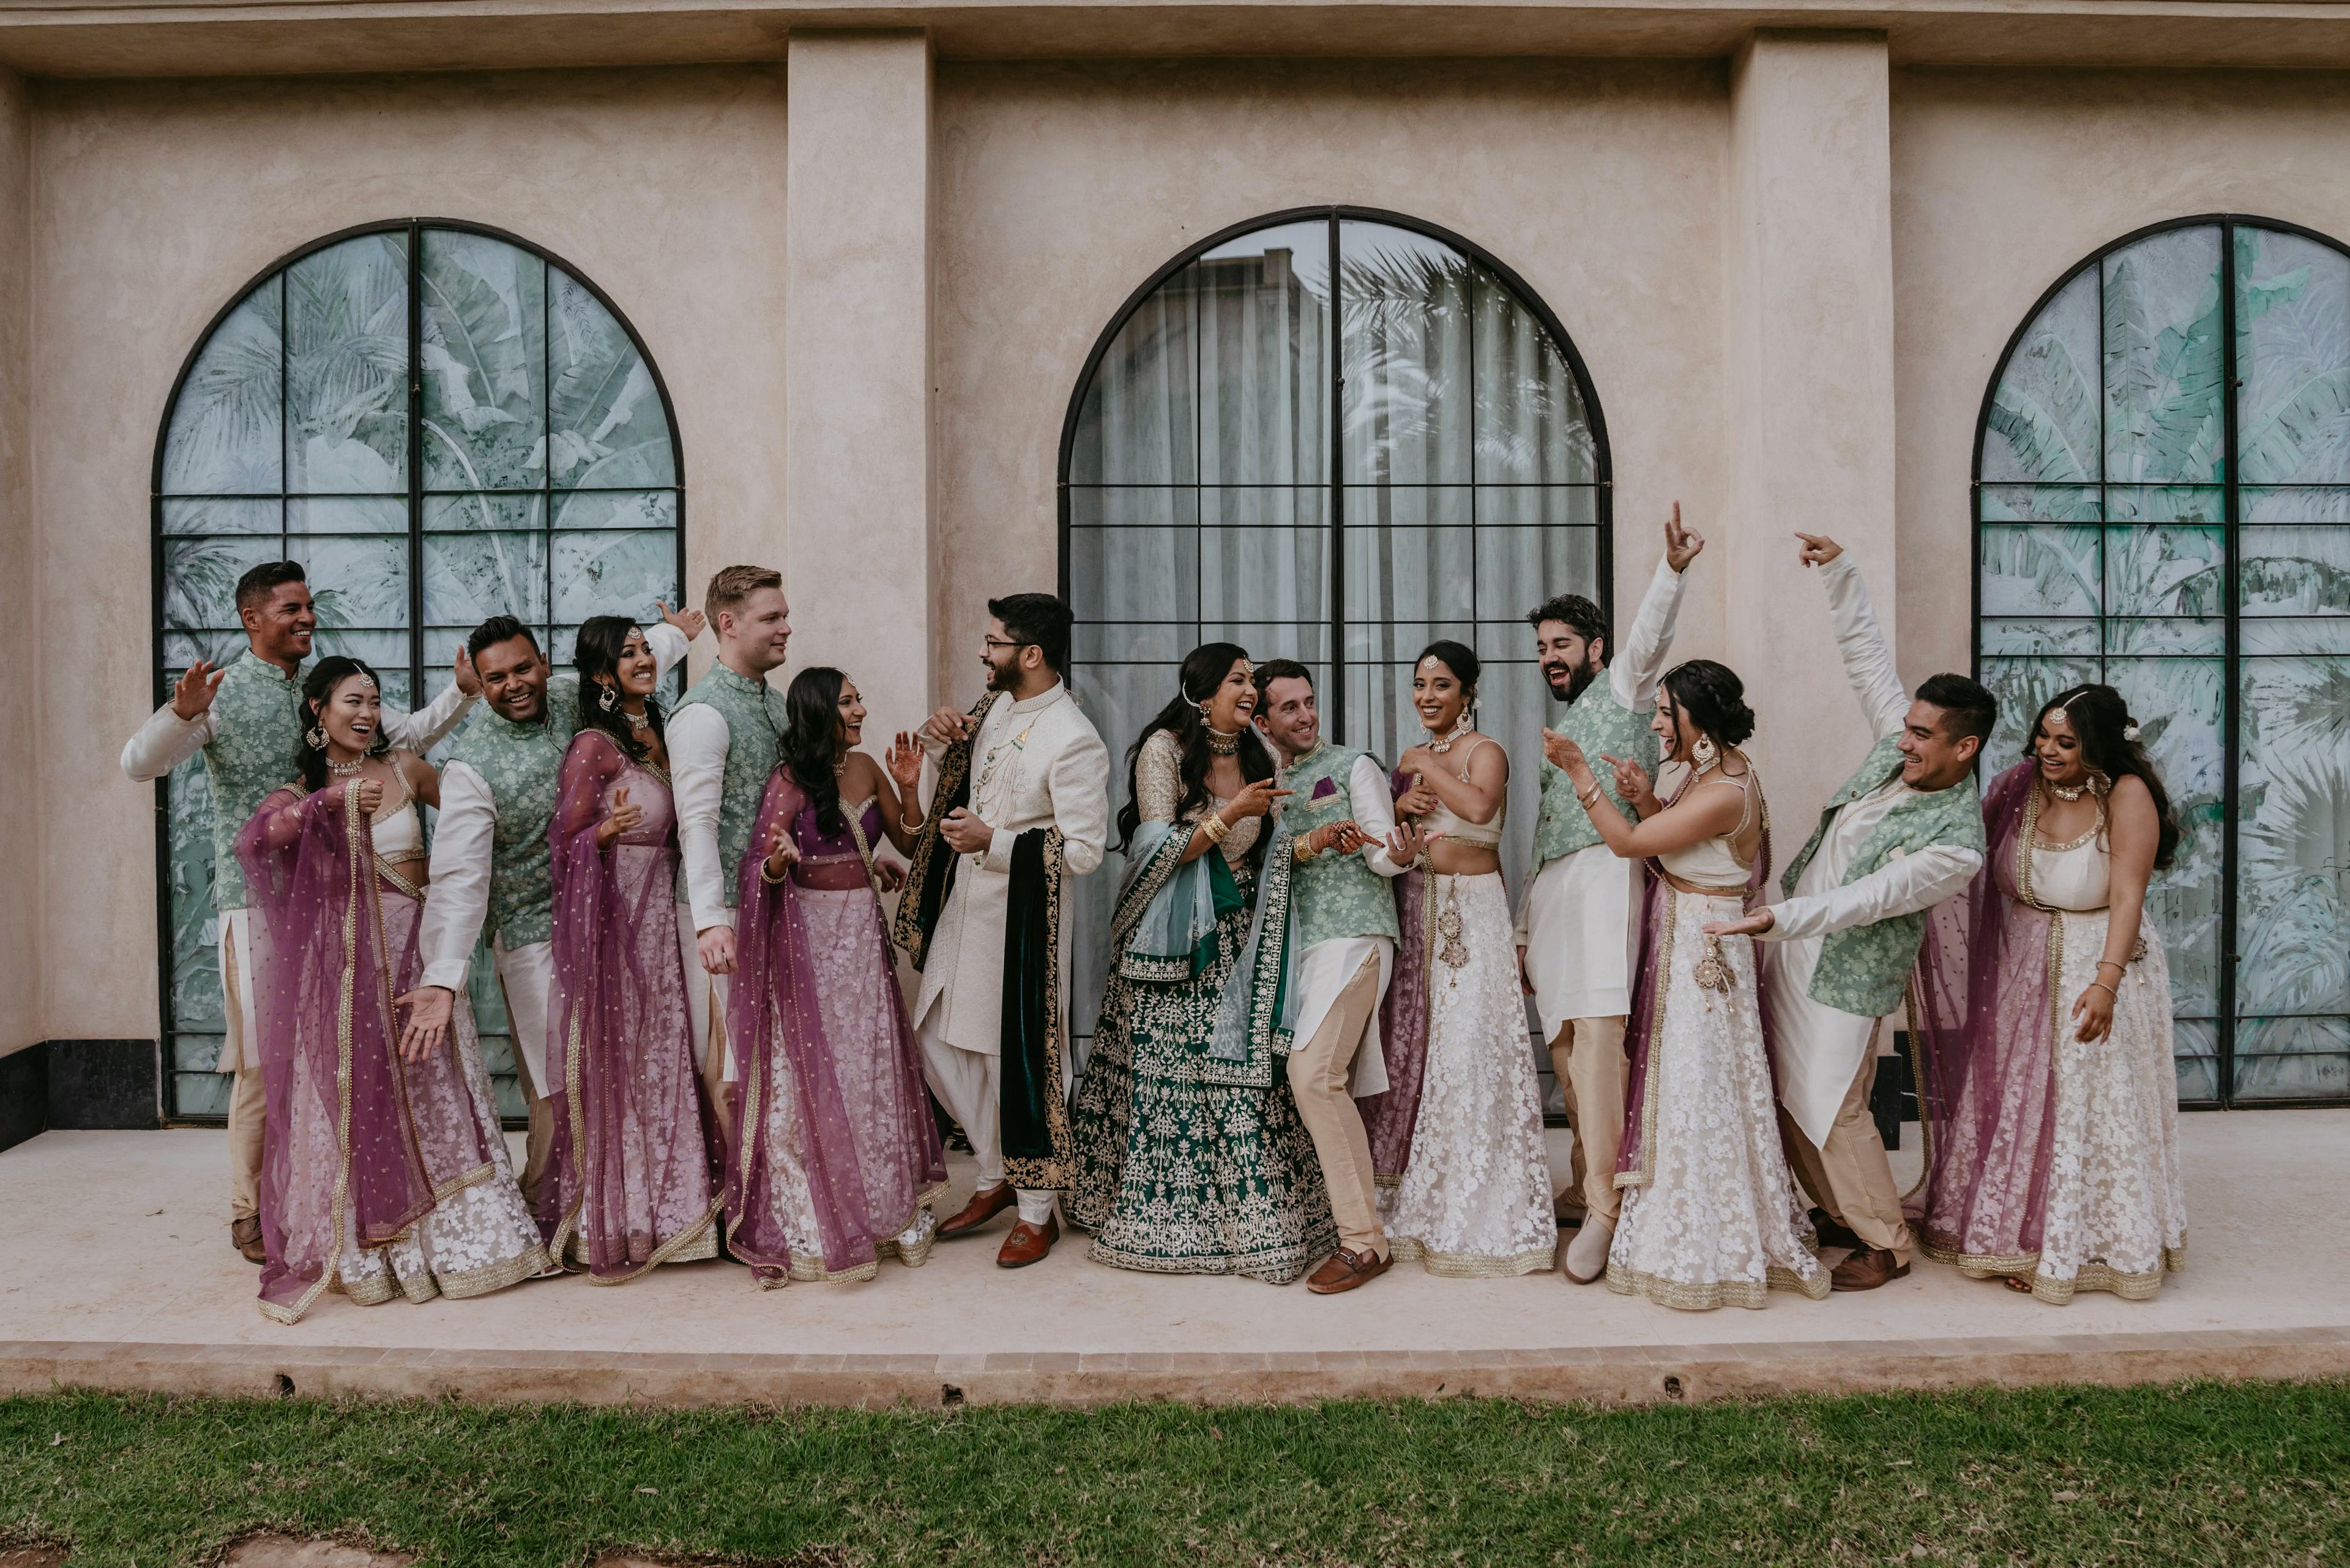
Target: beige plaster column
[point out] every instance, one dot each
(1808, 309)
(857, 365)
(21, 1001)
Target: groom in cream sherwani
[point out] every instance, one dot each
(1022, 802)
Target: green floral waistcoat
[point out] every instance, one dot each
(522, 765)
(1331, 895)
(1603, 727)
(258, 719)
(753, 712)
(1864, 971)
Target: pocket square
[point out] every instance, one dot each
(1324, 789)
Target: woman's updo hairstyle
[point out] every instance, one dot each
(1713, 698)
(1459, 659)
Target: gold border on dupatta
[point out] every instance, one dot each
(1647, 1172)
(1059, 1172)
(954, 766)
(1470, 1265)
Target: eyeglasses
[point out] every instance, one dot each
(993, 643)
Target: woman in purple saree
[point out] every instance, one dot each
(630, 1175)
(2043, 1025)
(834, 1157)
(385, 1175)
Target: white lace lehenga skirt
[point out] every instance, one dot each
(1474, 1200)
(1717, 1220)
(2116, 1207)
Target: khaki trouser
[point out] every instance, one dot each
(705, 1002)
(526, 979)
(1318, 1074)
(249, 1113)
(1850, 1176)
(1588, 1058)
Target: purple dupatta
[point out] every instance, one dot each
(776, 1000)
(338, 1093)
(1648, 998)
(1389, 1117)
(1984, 1025)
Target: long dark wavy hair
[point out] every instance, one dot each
(811, 741)
(2100, 717)
(598, 654)
(1204, 669)
(317, 686)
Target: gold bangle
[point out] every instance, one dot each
(1302, 850)
(1214, 826)
(766, 876)
(1588, 799)
(2101, 985)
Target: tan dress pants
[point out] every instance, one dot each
(1850, 1175)
(1319, 1071)
(1587, 1057)
(248, 1112)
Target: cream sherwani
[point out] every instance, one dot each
(1034, 763)
(1824, 1056)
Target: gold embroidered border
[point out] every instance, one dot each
(954, 766)
(495, 1276)
(1469, 1265)
(2092, 1276)
(1660, 989)
(1276, 1266)
(1691, 1297)
(1059, 1171)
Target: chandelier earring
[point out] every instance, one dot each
(610, 698)
(1704, 753)
(317, 737)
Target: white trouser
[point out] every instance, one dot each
(705, 1001)
(526, 977)
(967, 1082)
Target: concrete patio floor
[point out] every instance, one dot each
(121, 1277)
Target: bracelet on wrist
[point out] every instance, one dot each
(2101, 985)
(770, 876)
(1214, 827)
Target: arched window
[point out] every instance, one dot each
(1332, 436)
(2162, 501)
(441, 423)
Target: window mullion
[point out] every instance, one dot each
(2230, 662)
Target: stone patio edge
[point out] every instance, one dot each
(1605, 1374)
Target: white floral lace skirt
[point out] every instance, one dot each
(1475, 1198)
(2117, 1200)
(1718, 1222)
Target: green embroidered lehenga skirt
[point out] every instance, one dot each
(1177, 1173)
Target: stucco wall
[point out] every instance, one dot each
(21, 803)
(2002, 181)
(1062, 188)
(155, 202)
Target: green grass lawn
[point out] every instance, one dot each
(2204, 1473)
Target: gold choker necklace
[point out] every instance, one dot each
(345, 770)
(1441, 745)
(1224, 742)
(2073, 792)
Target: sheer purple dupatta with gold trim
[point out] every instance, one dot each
(1985, 1030)
(1640, 1027)
(1389, 1119)
(348, 1168)
(775, 1013)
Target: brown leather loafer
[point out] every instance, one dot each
(1344, 1270)
(245, 1235)
(983, 1207)
(1833, 1233)
(1865, 1270)
(1028, 1244)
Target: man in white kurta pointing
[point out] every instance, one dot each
(1901, 835)
(1578, 925)
(1023, 799)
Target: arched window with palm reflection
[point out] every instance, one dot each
(1334, 436)
(2162, 502)
(441, 423)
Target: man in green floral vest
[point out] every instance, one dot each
(1901, 835)
(724, 741)
(491, 873)
(1342, 943)
(1579, 921)
(245, 717)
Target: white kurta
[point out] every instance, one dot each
(1036, 764)
(463, 833)
(1819, 1050)
(1323, 970)
(1579, 920)
(166, 740)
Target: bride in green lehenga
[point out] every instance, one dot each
(1190, 1157)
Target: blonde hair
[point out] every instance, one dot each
(731, 585)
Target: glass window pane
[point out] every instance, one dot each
(347, 369)
(201, 1093)
(2038, 503)
(2042, 424)
(200, 578)
(1263, 574)
(611, 572)
(2196, 1046)
(630, 509)
(2033, 638)
(2292, 1058)
(2293, 358)
(1518, 568)
(2180, 704)
(2293, 859)
(224, 516)
(1139, 423)
(1409, 554)
(483, 319)
(226, 432)
(1263, 321)
(610, 429)
(357, 582)
(2165, 504)
(483, 513)
(469, 578)
(1532, 426)
(2165, 358)
(1405, 344)
(2038, 571)
(347, 514)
